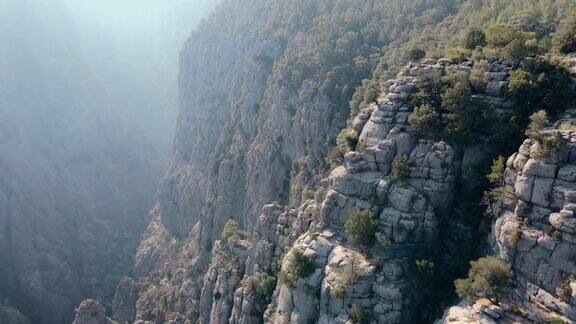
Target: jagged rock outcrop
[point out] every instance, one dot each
(535, 233)
(482, 312)
(407, 212)
(410, 207)
(536, 230)
(91, 311)
(382, 282)
(125, 301)
(246, 128)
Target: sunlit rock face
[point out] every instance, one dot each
(536, 230)
(408, 216)
(534, 233)
(243, 131)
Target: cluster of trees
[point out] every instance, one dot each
(461, 29)
(446, 108)
(261, 285)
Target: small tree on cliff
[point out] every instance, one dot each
(538, 121)
(230, 230)
(487, 278)
(361, 227)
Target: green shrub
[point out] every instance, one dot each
(519, 49)
(474, 38)
(361, 227)
(478, 77)
(416, 54)
(300, 266)
(464, 118)
(550, 143)
(497, 170)
(262, 285)
(492, 198)
(538, 121)
(487, 277)
(430, 93)
(556, 320)
(498, 35)
(399, 166)
(509, 42)
(358, 315)
(347, 140)
(458, 54)
(539, 84)
(230, 230)
(308, 194)
(424, 120)
(564, 39)
(365, 94)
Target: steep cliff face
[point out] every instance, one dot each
(262, 99)
(416, 215)
(242, 273)
(263, 96)
(534, 234)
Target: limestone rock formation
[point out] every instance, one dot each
(536, 229)
(534, 233)
(382, 285)
(251, 147)
(343, 278)
(91, 311)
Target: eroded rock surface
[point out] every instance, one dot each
(91, 311)
(536, 231)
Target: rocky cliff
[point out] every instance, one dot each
(383, 281)
(534, 233)
(250, 223)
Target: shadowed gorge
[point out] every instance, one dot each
(86, 121)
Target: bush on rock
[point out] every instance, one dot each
(487, 278)
(361, 227)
